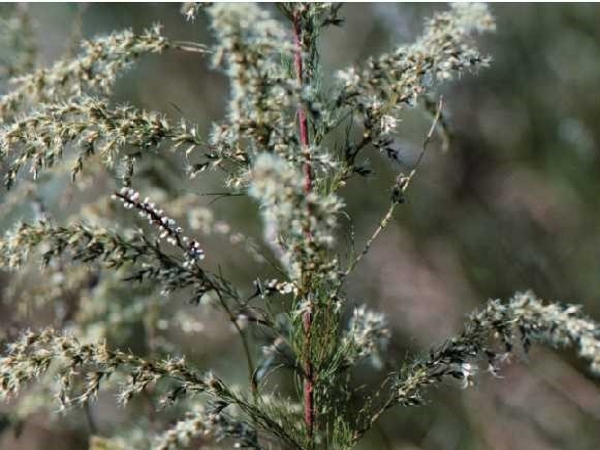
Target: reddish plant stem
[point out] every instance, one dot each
(303, 121)
(309, 409)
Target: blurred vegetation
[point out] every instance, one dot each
(512, 205)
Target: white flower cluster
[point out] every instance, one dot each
(290, 214)
(348, 77)
(368, 335)
(388, 124)
(183, 433)
(95, 69)
(89, 125)
(250, 44)
(190, 10)
(274, 286)
(167, 226)
(467, 371)
(559, 325)
(401, 77)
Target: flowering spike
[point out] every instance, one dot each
(167, 226)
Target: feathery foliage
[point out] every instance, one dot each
(274, 146)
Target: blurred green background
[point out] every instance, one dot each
(513, 205)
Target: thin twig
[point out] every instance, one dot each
(89, 418)
(188, 46)
(402, 184)
(245, 344)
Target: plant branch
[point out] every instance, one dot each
(307, 170)
(523, 318)
(245, 345)
(402, 184)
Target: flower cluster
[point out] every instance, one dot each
(210, 425)
(182, 434)
(84, 243)
(31, 356)
(190, 10)
(459, 357)
(274, 286)
(367, 336)
(167, 226)
(263, 97)
(89, 123)
(94, 70)
(554, 324)
(290, 215)
(393, 80)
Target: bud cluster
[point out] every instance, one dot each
(167, 226)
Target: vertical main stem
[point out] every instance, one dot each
(303, 121)
(309, 408)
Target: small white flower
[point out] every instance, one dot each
(348, 77)
(285, 287)
(242, 321)
(388, 124)
(368, 335)
(468, 372)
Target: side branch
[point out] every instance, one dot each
(33, 354)
(524, 318)
(400, 188)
